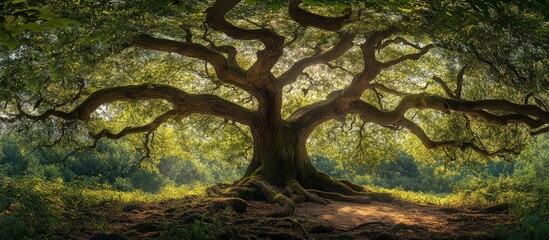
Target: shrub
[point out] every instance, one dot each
(123, 184)
(147, 181)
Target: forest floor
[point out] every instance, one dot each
(195, 217)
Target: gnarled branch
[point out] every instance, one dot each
(274, 44)
(310, 19)
(370, 113)
(344, 44)
(182, 102)
(152, 126)
(530, 114)
(430, 144)
(228, 73)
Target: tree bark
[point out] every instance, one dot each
(280, 156)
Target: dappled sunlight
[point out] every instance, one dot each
(349, 215)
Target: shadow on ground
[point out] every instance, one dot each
(199, 218)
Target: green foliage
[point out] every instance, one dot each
(14, 228)
(17, 16)
(402, 172)
(147, 181)
(29, 209)
(531, 227)
(123, 184)
(12, 158)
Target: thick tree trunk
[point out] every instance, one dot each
(280, 156)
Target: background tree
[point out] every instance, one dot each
(465, 77)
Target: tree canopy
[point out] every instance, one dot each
(454, 80)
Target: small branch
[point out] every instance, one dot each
(459, 82)
(493, 66)
(295, 36)
(146, 147)
(414, 56)
(61, 136)
(331, 66)
(388, 90)
(379, 98)
(188, 34)
(150, 127)
(444, 86)
(396, 41)
(539, 131)
(527, 97)
(227, 49)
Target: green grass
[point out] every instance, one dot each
(31, 207)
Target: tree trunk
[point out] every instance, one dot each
(280, 156)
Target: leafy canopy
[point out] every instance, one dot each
(503, 44)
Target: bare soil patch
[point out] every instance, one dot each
(181, 218)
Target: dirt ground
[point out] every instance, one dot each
(198, 218)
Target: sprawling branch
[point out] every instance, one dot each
(274, 44)
(370, 113)
(310, 19)
(228, 73)
(344, 44)
(150, 127)
(430, 144)
(337, 103)
(532, 115)
(307, 118)
(183, 103)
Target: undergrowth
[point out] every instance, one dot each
(34, 208)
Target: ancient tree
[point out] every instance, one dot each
(280, 170)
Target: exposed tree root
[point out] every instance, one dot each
(302, 195)
(351, 185)
(274, 196)
(343, 198)
(255, 187)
